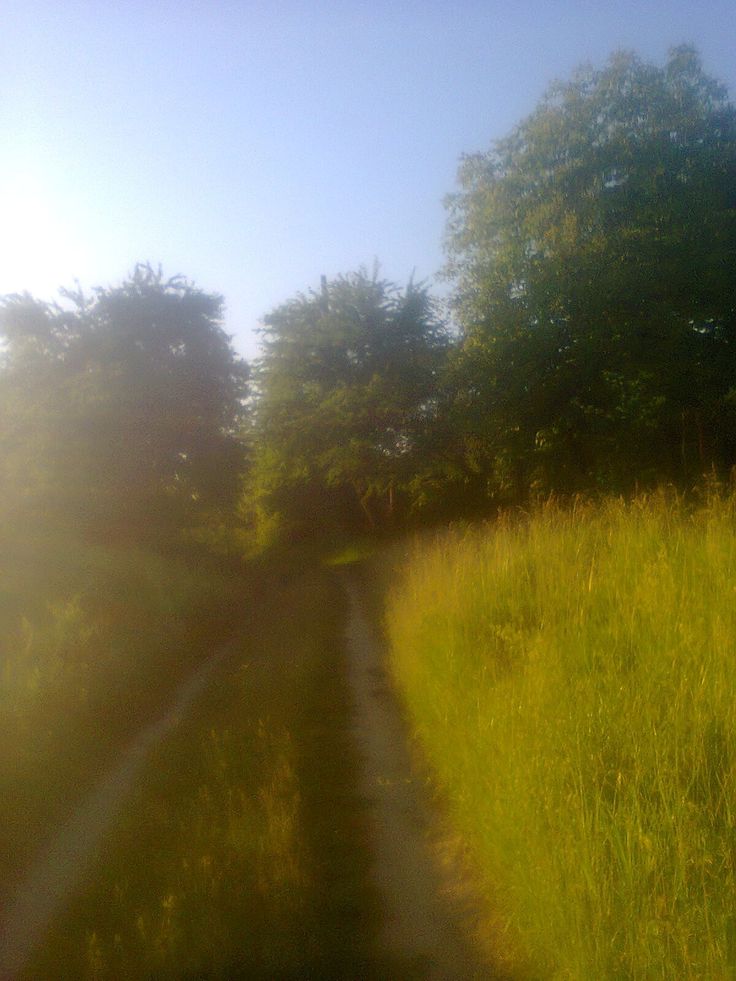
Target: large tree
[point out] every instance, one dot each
(121, 409)
(345, 393)
(594, 254)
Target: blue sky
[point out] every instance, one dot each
(254, 146)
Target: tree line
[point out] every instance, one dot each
(589, 345)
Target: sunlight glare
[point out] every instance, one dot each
(38, 250)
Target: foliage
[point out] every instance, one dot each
(593, 256)
(569, 676)
(119, 410)
(345, 402)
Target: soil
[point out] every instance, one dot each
(424, 924)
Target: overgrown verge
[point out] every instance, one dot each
(239, 853)
(92, 640)
(569, 675)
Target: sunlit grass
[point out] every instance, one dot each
(570, 675)
(356, 551)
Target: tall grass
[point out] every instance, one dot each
(91, 641)
(571, 677)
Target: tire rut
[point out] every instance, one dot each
(420, 932)
(62, 866)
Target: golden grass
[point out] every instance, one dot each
(570, 675)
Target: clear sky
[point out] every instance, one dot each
(253, 146)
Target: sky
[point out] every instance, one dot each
(254, 147)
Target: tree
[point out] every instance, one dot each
(593, 253)
(344, 399)
(120, 409)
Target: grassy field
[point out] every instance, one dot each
(570, 676)
(91, 641)
(239, 853)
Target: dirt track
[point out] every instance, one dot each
(418, 937)
(420, 933)
(66, 860)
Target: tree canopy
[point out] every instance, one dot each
(121, 409)
(593, 255)
(592, 252)
(344, 400)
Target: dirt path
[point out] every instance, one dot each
(63, 864)
(420, 933)
(418, 937)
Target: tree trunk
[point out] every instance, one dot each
(363, 501)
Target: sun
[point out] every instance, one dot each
(39, 246)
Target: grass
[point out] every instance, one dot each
(239, 853)
(91, 642)
(570, 676)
